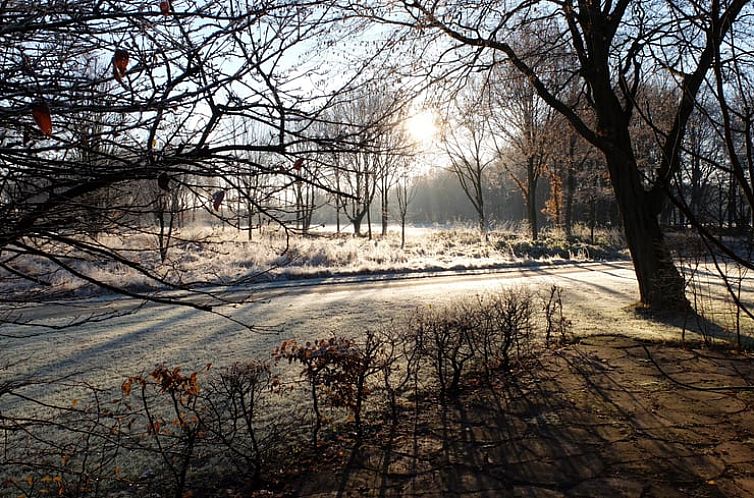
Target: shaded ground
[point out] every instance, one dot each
(594, 418)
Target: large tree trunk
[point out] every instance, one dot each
(661, 286)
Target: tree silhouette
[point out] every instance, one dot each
(110, 110)
(615, 46)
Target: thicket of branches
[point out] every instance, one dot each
(128, 119)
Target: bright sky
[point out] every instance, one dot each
(422, 127)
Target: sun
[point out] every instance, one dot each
(422, 126)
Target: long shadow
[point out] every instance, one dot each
(463, 468)
(669, 444)
(690, 321)
(87, 361)
(564, 276)
(591, 419)
(610, 265)
(547, 454)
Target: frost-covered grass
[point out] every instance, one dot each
(211, 255)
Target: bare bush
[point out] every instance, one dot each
(490, 331)
(235, 397)
(511, 323)
(377, 358)
(70, 446)
(556, 324)
(444, 338)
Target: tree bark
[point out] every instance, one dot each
(337, 202)
(661, 286)
(384, 212)
(357, 227)
(250, 216)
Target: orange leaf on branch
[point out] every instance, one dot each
(120, 64)
(41, 112)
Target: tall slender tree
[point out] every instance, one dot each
(469, 148)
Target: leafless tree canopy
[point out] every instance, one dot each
(613, 51)
(120, 118)
(123, 118)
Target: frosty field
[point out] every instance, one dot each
(49, 372)
(597, 298)
(203, 255)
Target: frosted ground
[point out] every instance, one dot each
(598, 298)
(207, 254)
(349, 286)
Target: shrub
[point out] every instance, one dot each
(329, 364)
(505, 326)
(235, 396)
(444, 337)
(488, 331)
(170, 404)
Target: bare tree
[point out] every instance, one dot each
(467, 142)
(396, 151)
(697, 179)
(614, 45)
(733, 73)
(522, 127)
(733, 77)
(405, 191)
(370, 123)
(101, 100)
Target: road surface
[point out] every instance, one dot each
(106, 352)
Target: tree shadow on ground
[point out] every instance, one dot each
(695, 326)
(594, 418)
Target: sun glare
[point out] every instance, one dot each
(422, 126)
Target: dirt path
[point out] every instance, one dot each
(594, 418)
